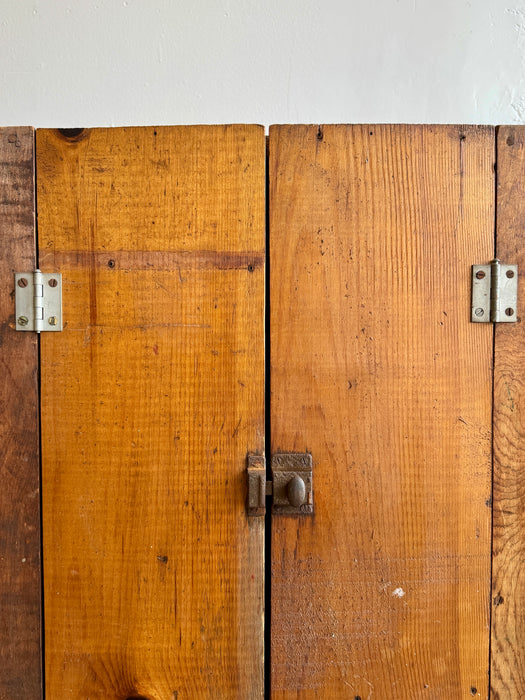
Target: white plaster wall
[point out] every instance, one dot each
(120, 62)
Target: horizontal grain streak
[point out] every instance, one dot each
(159, 260)
(138, 326)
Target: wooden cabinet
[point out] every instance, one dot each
(182, 349)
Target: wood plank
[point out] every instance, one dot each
(20, 585)
(152, 397)
(508, 582)
(378, 372)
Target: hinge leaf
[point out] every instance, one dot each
(38, 301)
(494, 293)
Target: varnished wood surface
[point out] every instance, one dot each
(377, 370)
(152, 396)
(508, 592)
(20, 585)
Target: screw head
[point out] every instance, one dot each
(510, 274)
(480, 274)
(22, 282)
(479, 312)
(52, 320)
(23, 320)
(53, 282)
(509, 311)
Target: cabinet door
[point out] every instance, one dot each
(151, 397)
(377, 371)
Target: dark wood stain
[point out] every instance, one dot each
(20, 585)
(156, 260)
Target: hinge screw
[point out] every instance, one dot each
(22, 282)
(479, 312)
(52, 320)
(23, 320)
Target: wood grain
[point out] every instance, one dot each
(20, 585)
(152, 396)
(508, 583)
(378, 372)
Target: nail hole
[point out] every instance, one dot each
(53, 282)
(509, 311)
(319, 133)
(111, 263)
(250, 268)
(510, 274)
(473, 691)
(480, 274)
(498, 600)
(22, 282)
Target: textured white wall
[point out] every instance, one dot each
(120, 62)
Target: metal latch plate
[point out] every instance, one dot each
(256, 484)
(289, 469)
(38, 301)
(494, 293)
(291, 485)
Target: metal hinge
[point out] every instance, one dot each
(494, 293)
(38, 301)
(291, 485)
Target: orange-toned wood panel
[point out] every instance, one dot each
(20, 584)
(377, 370)
(508, 583)
(152, 396)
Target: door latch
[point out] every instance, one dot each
(494, 293)
(291, 486)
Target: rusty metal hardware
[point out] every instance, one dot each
(257, 484)
(291, 484)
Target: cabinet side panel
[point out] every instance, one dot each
(20, 585)
(508, 583)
